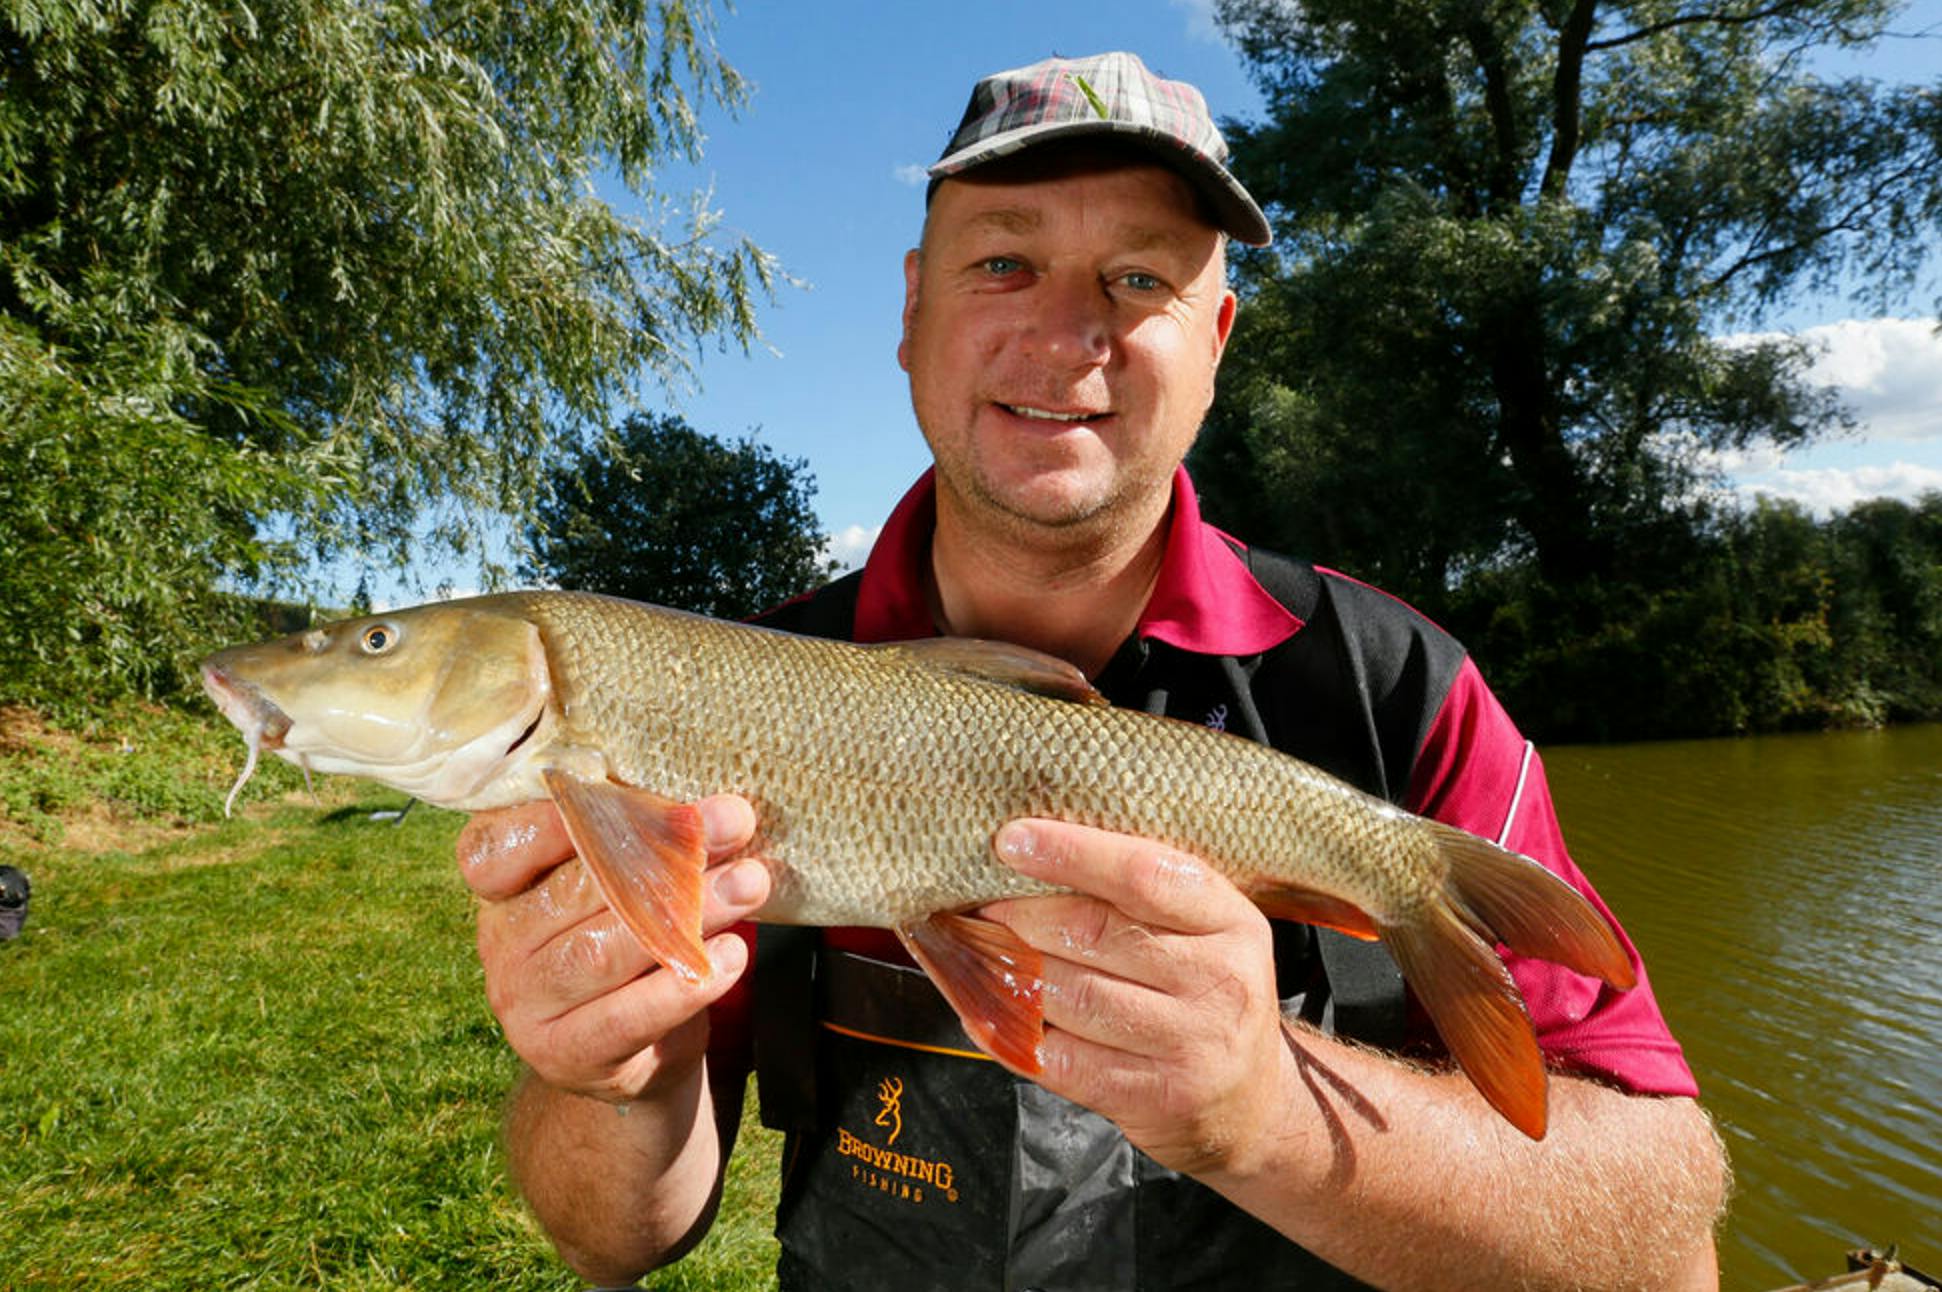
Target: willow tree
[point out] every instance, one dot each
(329, 272)
(1510, 237)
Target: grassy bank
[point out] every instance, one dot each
(256, 1053)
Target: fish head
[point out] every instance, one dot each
(436, 701)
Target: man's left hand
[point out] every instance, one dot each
(1160, 1003)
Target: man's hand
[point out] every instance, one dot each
(1160, 998)
(579, 999)
(1161, 1015)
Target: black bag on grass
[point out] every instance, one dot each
(13, 902)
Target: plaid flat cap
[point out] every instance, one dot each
(1106, 94)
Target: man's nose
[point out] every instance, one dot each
(1071, 324)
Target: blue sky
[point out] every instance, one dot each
(823, 168)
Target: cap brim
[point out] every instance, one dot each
(1239, 215)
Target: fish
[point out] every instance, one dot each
(879, 774)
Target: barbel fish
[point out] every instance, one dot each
(879, 775)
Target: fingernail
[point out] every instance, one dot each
(726, 821)
(728, 954)
(740, 884)
(1017, 842)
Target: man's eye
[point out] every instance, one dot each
(1142, 282)
(1002, 266)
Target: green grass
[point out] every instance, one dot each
(256, 1054)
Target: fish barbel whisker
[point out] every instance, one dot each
(262, 724)
(254, 737)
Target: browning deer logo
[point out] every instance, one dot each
(879, 1167)
(890, 1092)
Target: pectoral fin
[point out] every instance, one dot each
(646, 855)
(991, 978)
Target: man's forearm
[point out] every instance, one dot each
(1406, 1179)
(620, 1189)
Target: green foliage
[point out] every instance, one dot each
(1506, 238)
(126, 763)
(258, 1055)
(322, 271)
(661, 512)
(1766, 620)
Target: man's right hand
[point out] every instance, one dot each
(579, 999)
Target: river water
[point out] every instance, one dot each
(1787, 894)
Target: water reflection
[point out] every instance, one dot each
(1783, 891)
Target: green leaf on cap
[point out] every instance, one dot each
(1092, 97)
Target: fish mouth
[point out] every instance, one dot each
(251, 712)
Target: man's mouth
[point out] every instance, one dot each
(1049, 414)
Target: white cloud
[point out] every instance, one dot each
(914, 174)
(850, 546)
(1749, 461)
(1825, 490)
(1889, 372)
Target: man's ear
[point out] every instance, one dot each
(913, 265)
(1230, 305)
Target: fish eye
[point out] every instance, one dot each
(378, 639)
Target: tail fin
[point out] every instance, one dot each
(1447, 955)
(1530, 909)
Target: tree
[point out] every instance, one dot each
(661, 512)
(1508, 235)
(340, 266)
(1889, 613)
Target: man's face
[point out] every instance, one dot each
(1061, 334)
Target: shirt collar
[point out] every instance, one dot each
(1204, 600)
(891, 604)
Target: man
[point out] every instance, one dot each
(1064, 318)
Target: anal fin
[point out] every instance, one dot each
(1309, 906)
(990, 977)
(647, 855)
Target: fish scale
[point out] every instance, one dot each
(879, 775)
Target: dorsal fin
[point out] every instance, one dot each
(1007, 665)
